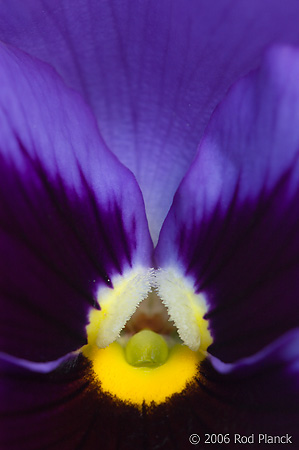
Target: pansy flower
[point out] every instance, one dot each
(149, 224)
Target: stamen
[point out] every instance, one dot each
(118, 305)
(186, 308)
(141, 365)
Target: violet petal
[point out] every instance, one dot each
(152, 71)
(233, 226)
(71, 215)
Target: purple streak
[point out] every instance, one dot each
(71, 215)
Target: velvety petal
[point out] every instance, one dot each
(233, 227)
(71, 216)
(47, 411)
(64, 410)
(282, 354)
(261, 400)
(152, 71)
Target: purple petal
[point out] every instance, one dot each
(152, 71)
(262, 399)
(267, 382)
(281, 355)
(234, 223)
(63, 410)
(37, 367)
(71, 216)
(44, 411)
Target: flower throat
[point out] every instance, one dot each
(147, 362)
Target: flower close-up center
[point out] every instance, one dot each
(149, 191)
(155, 355)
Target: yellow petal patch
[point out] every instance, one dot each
(142, 384)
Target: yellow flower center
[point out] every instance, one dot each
(144, 366)
(143, 383)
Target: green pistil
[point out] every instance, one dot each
(146, 349)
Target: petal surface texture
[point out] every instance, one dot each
(233, 226)
(71, 216)
(64, 410)
(152, 71)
